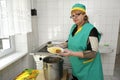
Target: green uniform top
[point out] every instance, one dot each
(84, 68)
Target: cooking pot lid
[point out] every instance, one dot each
(52, 59)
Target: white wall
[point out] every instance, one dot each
(54, 23)
(33, 38)
(118, 44)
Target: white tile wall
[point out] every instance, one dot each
(32, 37)
(54, 23)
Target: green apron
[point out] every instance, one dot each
(84, 68)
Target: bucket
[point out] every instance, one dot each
(53, 68)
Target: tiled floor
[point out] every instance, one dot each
(116, 75)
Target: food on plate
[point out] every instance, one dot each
(58, 51)
(55, 50)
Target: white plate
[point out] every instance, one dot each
(54, 50)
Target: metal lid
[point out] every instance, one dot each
(50, 59)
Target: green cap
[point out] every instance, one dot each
(79, 6)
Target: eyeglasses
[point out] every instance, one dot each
(74, 16)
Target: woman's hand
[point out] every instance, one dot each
(66, 53)
(71, 53)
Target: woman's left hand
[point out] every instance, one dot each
(66, 53)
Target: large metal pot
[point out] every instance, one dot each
(53, 68)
